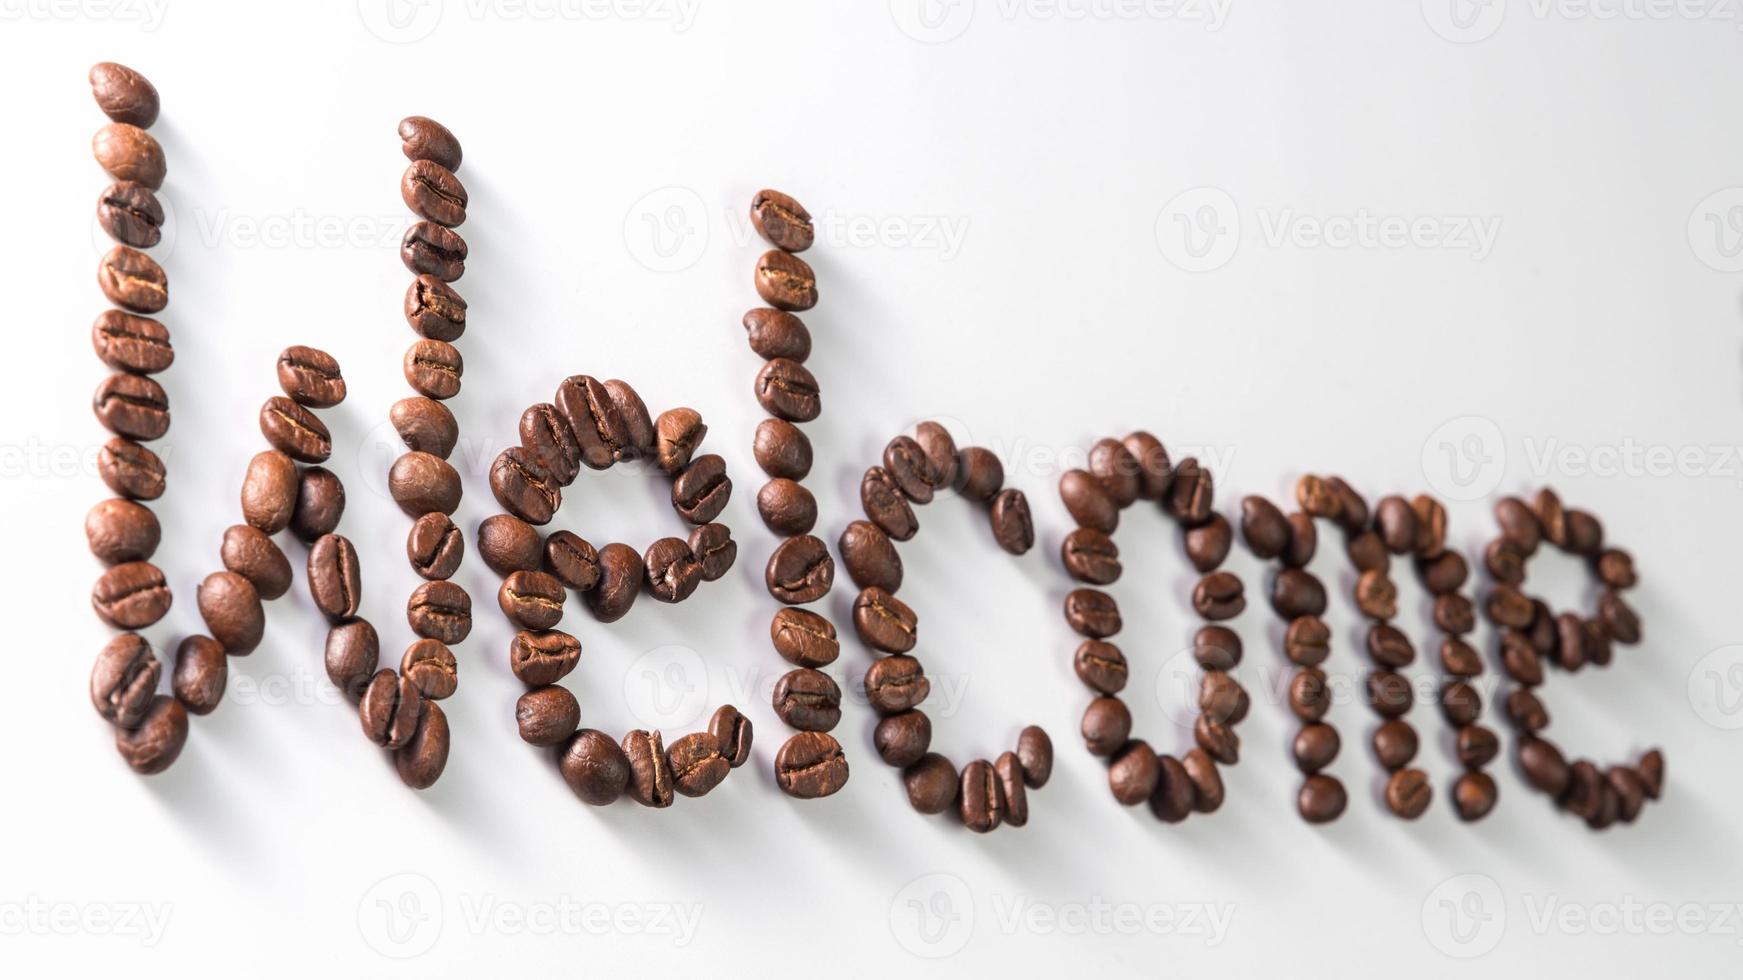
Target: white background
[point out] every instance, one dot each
(1594, 332)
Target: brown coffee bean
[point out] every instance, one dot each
(1519, 525)
(1107, 725)
(123, 94)
(1192, 494)
(786, 507)
(428, 249)
(908, 464)
(800, 570)
(1444, 573)
(1013, 526)
(1544, 766)
(1460, 703)
(508, 544)
(543, 658)
(1630, 792)
(546, 435)
(1430, 526)
(1543, 633)
(547, 715)
(1322, 799)
(433, 368)
(1303, 540)
(420, 762)
(1264, 527)
(1216, 648)
(1035, 754)
(1309, 695)
(1389, 647)
(1009, 770)
(1101, 666)
(523, 486)
(677, 433)
(870, 558)
(431, 666)
(1508, 607)
(1155, 472)
(390, 710)
(639, 438)
(1454, 614)
(895, 684)
(932, 784)
(697, 764)
(886, 506)
(673, 573)
(782, 450)
(320, 504)
(782, 221)
(620, 581)
(248, 552)
(423, 484)
(596, 420)
(804, 638)
(432, 192)
(1091, 556)
(567, 556)
(442, 611)
(1376, 596)
(979, 477)
(1504, 562)
(201, 672)
(1352, 510)
(1092, 613)
(1395, 744)
(714, 549)
(1459, 658)
(1477, 746)
(310, 377)
(425, 425)
(785, 281)
(434, 309)
(1619, 619)
(131, 470)
(1218, 597)
(810, 765)
(1297, 592)
(1114, 466)
(808, 700)
(1525, 711)
(295, 431)
(128, 152)
(1367, 552)
(1307, 641)
(777, 333)
(1207, 783)
(1570, 642)
(154, 745)
(1397, 524)
(132, 406)
(134, 344)
(981, 802)
(353, 649)
(701, 490)
(1585, 534)
(131, 595)
(1133, 773)
(1218, 740)
(1176, 796)
(1088, 501)
(1317, 497)
(595, 767)
(532, 600)
(884, 622)
(1519, 660)
(423, 138)
(1207, 545)
(940, 448)
(787, 390)
(335, 579)
(1389, 693)
(124, 680)
(1408, 793)
(1584, 796)
(732, 735)
(1474, 795)
(1221, 698)
(435, 547)
(650, 772)
(1315, 747)
(120, 530)
(1616, 569)
(902, 739)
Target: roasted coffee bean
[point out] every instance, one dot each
(1477, 746)
(421, 761)
(425, 425)
(1454, 614)
(1619, 619)
(1035, 754)
(1397, 524)
(130, 469)
(1322, 799)
(870, 558)
(1509, 608)
(428, 249)
(1543, 631)
(1460, 703)
(1317, 497)
(1430, 526)
(677, 433)
(908, 464)
(432, 192)
(785, 281)
(154, 745)
(982, 802)
(782, 450)
(808, 700)
(134, 344)
(886, 506)
(786, 507)
(295, 431)
(639, 438)
(1207, 545)
(1352, 510)
(701, 491)
(124, 680)
(1525, 711)
(1630, 792)
(696, 763)
(1218, 596)
(131, 595)
(432, 667)
(1155, 472)
(1598, 646)
(1101, 666)
(1091, 556)
(804, 638)
(1367, 552)
(1444, 573)
(782, 221)
(1315, 747)
(523, 486)
(1297, 592)
(1092, 613)
(979, 477)
(787, 390)
(884, 622)
(620, 581)
(1474, 795)
(1309, 695)
(596, 419)
(1303, 540)
(248, 552)
(123, 94)
(1408, 793)
(650, 773)
(1389, 693)
(128, 152)
(902, 739)
(1133, 773)
(1218, 740)
(509, 544)
(1520, 661)
(1616, 569)
(567, 556)
(1544, 766)
(1504, 562)
(335, 581)
(1009, 770)
(423, 138)
(310, 377)
(800, 570)
(547, 715)
(1216, 648)
(673, 573)
(1376, 596)
(434, 547)
(433, 368)
(543, 658)
(1107, 724)
(777, 333)
(1192, 493)
(895, 684)
(1013, 526)
(1221, 698)
(1207, 782)
(1264, 527)
(120, 530)
(133, 280)
(545, 435)
(1584, 796)
(532, 600)
(732, 734)
(320, 503)
(434, 309)
(1307, 641)
(1570, 642)
(932, 784)
(811, 765)
(390, 710)
(1088, 501)
(1176, 796)
(1585, 535)
(422, 484)
(714, 549)
(1459, 658)
(352, 652)
(1395, 744)
(132, 406)
(1389, 647)
(940, 448)
(1518, 524)
(1114, 466)
(595, 767)
(201, 672)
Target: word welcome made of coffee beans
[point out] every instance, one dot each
(590, 424)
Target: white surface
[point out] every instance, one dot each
(1601, 316)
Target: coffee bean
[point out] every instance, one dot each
(979, 477)
(701, 490)
(1221, 698)
(508, 544)
(714, 549)
(1216, 648)
(732, 734)
(1192, 494)
(1101, 666)
(639, 438)
(1013, 527)
(154, 745)
(884, 622)
(596, 419)
(870, 558)
(434, 309)
(423, 138)
(1430, 526)
(532, 600)
(547, 715)
(567, 556)
(677, 433)
(543, 658)
(1352, 510)
(673, 573)
(1616, 569)
(1297, 592)
(982, 802)
(120, 530)
(595, 767)
(310, 377)
(1091, 556)
(434, 547)
(1367, 552)
(1317, 497)
(1570, 642)
(1477, 746)
(335, 581)
(431, 666)
(428, 249)
(696, 763)
(782, 221)
(433, 368)
(896, 683)
(1315, 747)
(134, 344)
(130, 469)
(1176, 796)
(132, 406)
(1459, 658)
(1322, 799)
(124, 680)
(1011, 777)
(885, 504)
(902, 739)
(545, 434)
(1444, 573)
(1088, 501)
(1525, 711)
(1107, 724)
(523, 486)
(320, 503)
(1116, 469)
(353, 649)
(131, 595)
(420, 762)
(433, 193)
(1218, 740)
(1504, 562)
(123, 94)
(620, 580)
(1474, 795)
(295, 431)
(1453, 613)
(128, 152)
(1389, 693)
(1544, 767)
(1584, 795)
(1207, 546)
(1264, 527)
(248, 552)
(940, 448)
(932, 784)
(785, 281)
(1408, 793)
(201, 671)
(782, 450)
(1519, 525)
(1309, 696)
(808, 700)
(390, 710)
(804, 638)
(1303, 540)
(1035, 755)
(1092, 613)
(777, 333)
(1630, 792)
(1460, 703)
(1376, 596)
(425, 426)
(1520, 660)
(1218, 596)
(1585, 534)
(911, 469)
(811, 765)
(787, 390)
(133, 280)
(1207, 783)
(1619, 619)
(786, 507)
(1543, 633)
(1508, 607)
(1397, 524)
(1395, 744)
(800, 570)
(1388, 646)
(422, 484)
